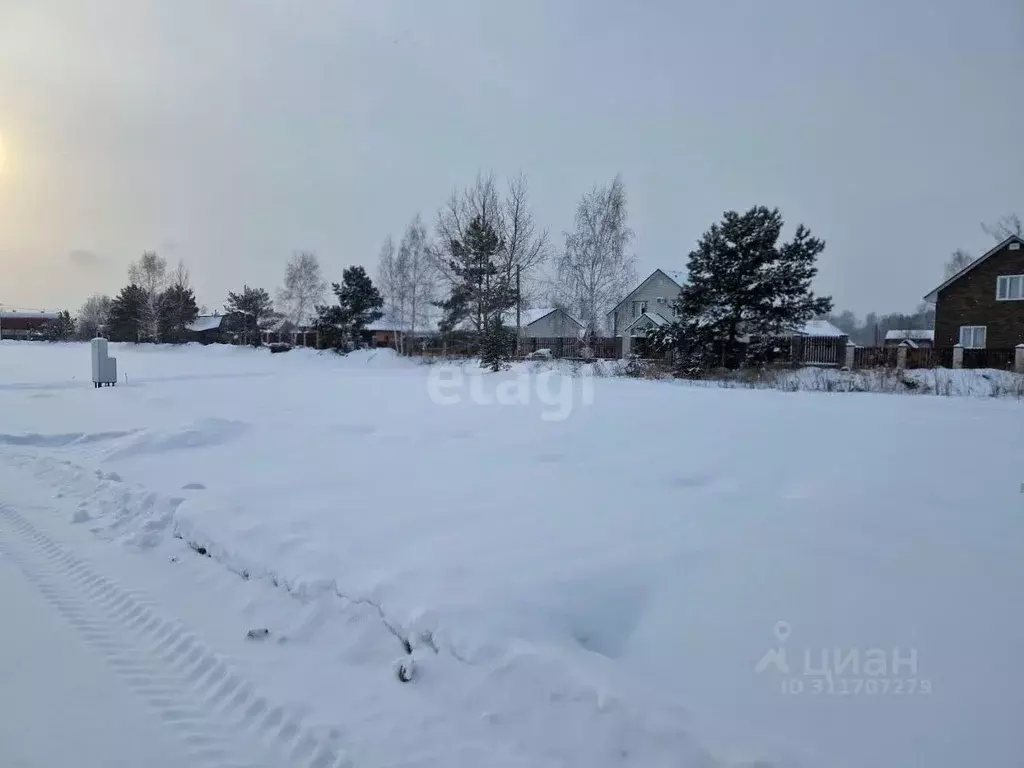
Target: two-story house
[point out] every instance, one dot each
(982, 305)
(649, 305)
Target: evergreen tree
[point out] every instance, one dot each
(128, 314)
(480, 290)
(175, 310)
(743, 282)
(359, 304)
(496, 348)
(61, 329)
(249, 313)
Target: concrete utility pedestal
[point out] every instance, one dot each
(104, 367)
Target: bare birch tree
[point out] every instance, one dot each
(391, 283)
(419, 275)
(93, 316)
(595, 270)
(525, 247)
(304, 288)
(1004, 227)
(150, 274)
(958, 260)
(180, 277)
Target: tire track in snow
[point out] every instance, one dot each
(218, 715)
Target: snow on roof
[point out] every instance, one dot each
(23, 315)
(820, 328)
(678, 275)
(206, 323)
(659, 320)
(531, 316)
(914, 335)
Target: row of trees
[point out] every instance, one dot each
(158, 305)
(487, 256)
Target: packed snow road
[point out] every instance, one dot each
(91, 675)
(60, 703)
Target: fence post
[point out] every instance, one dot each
(901, 355)
(1018, 358)
(625, 345)
(851, 355)
(958, 355)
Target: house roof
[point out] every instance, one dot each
(531, 316)
(659, 320)
(820, 329)
(526, 317)
(933, 295)
(206, 323)
(676, 276)
(912, 335)
(20, 315)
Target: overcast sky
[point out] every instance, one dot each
(231, 132)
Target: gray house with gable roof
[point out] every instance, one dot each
(649, 305)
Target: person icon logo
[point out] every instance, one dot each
(777, 656)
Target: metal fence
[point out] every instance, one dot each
(569, 347)
(1001, 359)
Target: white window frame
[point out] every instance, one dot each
(972, 333)
(1003, 284)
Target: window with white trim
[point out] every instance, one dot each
(972, 336)
(1010, 288)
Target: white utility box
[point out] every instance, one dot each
(104, 367)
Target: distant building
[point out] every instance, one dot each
(916, 339)
(18, 324)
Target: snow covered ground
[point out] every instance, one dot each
(590, 572)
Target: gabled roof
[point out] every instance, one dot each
(820, 329)
(676, 276)
(933, 295)
(531, 316)
(206, 323)
(911, 335)
(657, 319)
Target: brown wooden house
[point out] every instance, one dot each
(982, 305)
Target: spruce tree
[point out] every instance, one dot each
(496, 348)
(743, 282)
(360, 301)
(62, 328)
(175, 310)
(249, 313)
(128, 314)
(359, 305)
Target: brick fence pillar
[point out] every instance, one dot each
(958, 356)
(901, 355)
(851, 355)
(1018, 358)
(625, 345)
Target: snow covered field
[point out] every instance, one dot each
(590, 572)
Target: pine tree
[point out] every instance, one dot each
(175, 310)
(481, 290)
(742, 282)
(496, 348)
(128, 314)
(359, 305)
(61, 329)
(249, 313)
